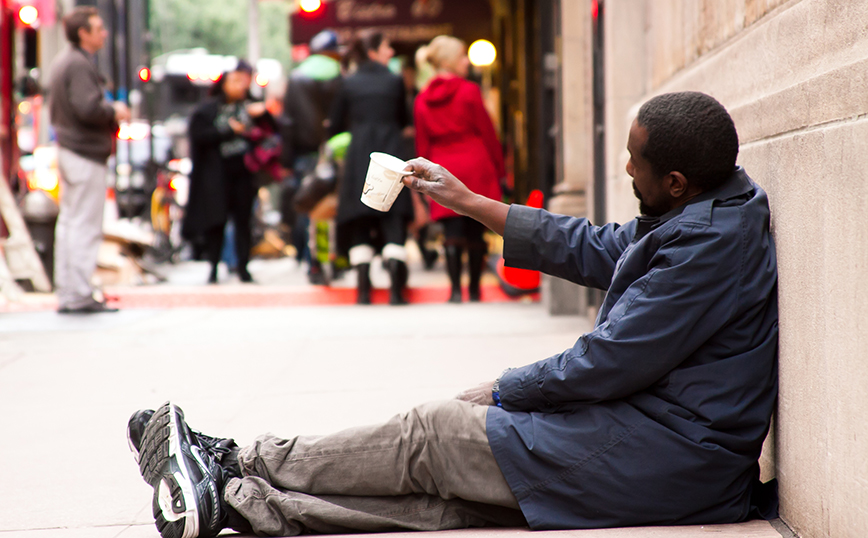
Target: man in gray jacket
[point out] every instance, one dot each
(85, 125)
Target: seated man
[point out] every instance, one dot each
(657, 416)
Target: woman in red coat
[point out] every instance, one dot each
(453, 129)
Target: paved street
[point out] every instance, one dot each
(68, 385)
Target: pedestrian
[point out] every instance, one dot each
(221, 185)
(85, 124)
(454, 129)
(655, 417)
(311, 90)
(370, 105)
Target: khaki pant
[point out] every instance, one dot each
(78, 232)
(429, 469)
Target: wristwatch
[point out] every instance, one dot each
(495, 390)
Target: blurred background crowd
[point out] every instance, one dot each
(254, 141)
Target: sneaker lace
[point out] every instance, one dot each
(217, 447)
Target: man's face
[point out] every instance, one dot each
(94, 38)
(654, 200)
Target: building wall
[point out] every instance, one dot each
(794, 75)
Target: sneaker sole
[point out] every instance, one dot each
(164, 467)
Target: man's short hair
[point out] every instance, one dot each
(691, 133)
(77, 19)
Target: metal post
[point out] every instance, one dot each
(253, 32)
(128, 53)
(148, 89)
(7, 123)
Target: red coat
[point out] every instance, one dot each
(454, 130)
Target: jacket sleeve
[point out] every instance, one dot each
(423, 140)
(659, 321)
(86, 99)
(403, 114)
(338, 121)
(202, 130)
(565, 247)
(482, 124)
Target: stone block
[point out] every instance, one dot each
(793, 74)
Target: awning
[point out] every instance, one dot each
(408, 21)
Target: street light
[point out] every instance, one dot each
(310, 6)
(482, 53)
(28, 15)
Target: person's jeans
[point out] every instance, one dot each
(428, 469)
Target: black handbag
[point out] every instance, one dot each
(315, 186)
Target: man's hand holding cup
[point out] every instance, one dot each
(435, 181)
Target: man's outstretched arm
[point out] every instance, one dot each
(558, 245)
(445, 189)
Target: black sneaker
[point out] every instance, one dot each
(220, 448)
(184, 469)
(136, 430)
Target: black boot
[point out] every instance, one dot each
(398, 275)
(212, 277)
(453, 267)
(429, 256)
(363, 278)
(475, 261)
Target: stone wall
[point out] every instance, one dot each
(794, 75)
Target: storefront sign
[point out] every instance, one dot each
(401, 20)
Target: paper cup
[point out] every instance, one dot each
(383, 182)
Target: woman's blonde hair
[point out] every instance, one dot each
(444, 51)
(424, 70)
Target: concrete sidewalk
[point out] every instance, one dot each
(69, 383)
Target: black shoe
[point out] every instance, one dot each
(212, 276)
(475, 262)
(398, 274)
(453, 269)
(363, 283)
(225, 448)
(317, 279)
(136, 430)
(184, 469)
(316, 275)
(94, 307)
(429, 258)
(244, 276)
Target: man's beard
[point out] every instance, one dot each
(645, 209)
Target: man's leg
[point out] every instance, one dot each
(408, 470)
(276, 512)
(79, 228)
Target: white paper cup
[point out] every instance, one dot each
(383, 182)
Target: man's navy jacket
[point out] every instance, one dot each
(656, 416)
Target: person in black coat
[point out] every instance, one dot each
(220, 184)
(371, 106)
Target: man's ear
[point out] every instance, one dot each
(677, 184)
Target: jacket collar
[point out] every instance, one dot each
(699, 208)
(370, 66)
